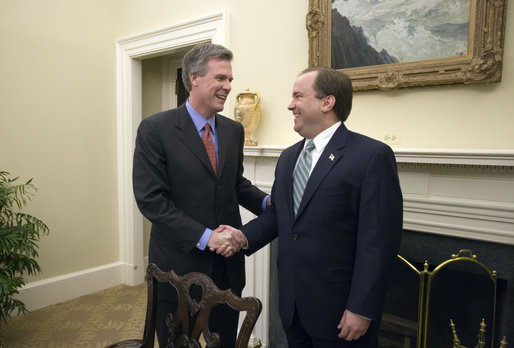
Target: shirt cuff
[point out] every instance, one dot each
(202, 243)
(265, 203)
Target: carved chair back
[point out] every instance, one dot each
(192, 317)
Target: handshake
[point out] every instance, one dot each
(227, 240)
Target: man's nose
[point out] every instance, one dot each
(227, 86)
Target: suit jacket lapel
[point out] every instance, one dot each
(188, 134)
(333, 152)
(223, 143)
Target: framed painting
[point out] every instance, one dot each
(389, 44)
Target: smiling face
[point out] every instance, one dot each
(310, 112)
(209, 92)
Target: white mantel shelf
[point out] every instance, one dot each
(450, 156)
(406, 155)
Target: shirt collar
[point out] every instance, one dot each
(199, 120)
(321, 140)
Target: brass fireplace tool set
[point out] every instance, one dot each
(480, 337)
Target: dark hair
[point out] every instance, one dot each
(195, 60)
(336, 83)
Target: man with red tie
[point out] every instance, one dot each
(188, 179)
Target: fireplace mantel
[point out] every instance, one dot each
(428, 156)
(459, 193)
(466, 194)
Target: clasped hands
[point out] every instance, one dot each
(226, 240)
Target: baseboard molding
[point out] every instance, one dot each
(50, 291)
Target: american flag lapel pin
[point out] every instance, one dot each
(331, 157)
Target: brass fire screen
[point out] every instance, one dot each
(456, 301)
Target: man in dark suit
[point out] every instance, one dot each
(188, 179)
(339, 235)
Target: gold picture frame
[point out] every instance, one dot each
(482, 64)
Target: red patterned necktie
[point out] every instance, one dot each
(209, 146)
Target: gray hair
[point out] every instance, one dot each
(195, 60)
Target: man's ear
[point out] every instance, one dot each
(327, 103)
(194, 79)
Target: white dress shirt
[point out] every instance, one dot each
(320, 142)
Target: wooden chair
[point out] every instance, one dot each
(188, 307)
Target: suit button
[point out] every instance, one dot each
(295, 236)
(218, 212)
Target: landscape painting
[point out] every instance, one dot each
(373, 32)
(390, 44)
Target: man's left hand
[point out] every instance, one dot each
(352, 326)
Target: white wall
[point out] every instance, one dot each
(58, 124)
(58, 107)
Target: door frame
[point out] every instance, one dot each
(130, 51)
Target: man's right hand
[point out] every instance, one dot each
(232, 240)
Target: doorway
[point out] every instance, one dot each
(131, 52)
(162, 89)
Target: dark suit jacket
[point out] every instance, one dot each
(176, 189)
(338, 252)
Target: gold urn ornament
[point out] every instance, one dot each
(248, 112)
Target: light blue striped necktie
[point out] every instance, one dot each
(301, 174)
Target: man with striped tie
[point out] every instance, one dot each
(337, 211)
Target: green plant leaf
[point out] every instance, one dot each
(19, 237)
